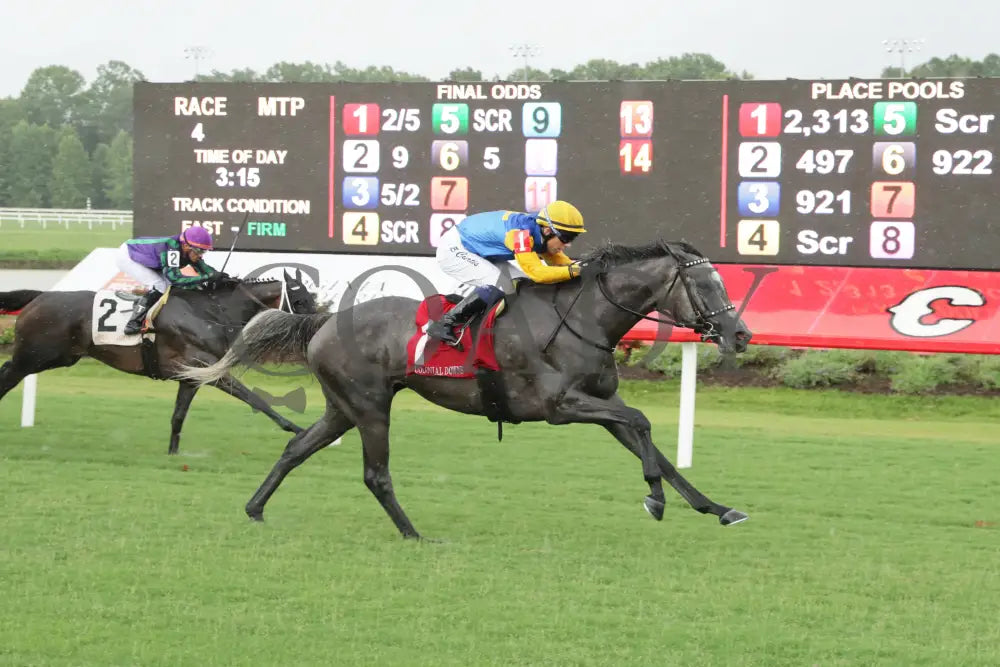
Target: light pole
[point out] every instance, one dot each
(902, 47)
(197, 54)
(525, 51)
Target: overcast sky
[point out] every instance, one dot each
(768, 38)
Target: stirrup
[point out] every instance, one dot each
(137, 320)
(437, 331)
(460, 333)
(457, 336)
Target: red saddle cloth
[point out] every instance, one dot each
(429, 356)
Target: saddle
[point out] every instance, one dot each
(428, 357)
(112, 309)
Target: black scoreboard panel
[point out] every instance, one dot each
(892, 173)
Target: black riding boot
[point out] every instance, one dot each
(457, 317)
(139, 311)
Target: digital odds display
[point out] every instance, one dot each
(884, 173)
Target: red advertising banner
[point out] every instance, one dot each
(920, 310)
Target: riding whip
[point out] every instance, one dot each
(238, 230)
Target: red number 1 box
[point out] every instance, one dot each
(361, 119)
(760, 119)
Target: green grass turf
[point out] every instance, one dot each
(873, 537)
(56, 246)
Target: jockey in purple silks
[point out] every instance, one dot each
(157, 262)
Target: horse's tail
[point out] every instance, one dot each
(272, 335)
(12, 302)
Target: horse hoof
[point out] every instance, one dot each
(732, 517)
(257, 517)
(654, 507)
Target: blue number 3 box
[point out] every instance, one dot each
(759, 198)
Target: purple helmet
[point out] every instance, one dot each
(197, 237)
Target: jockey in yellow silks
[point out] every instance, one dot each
(532, 244)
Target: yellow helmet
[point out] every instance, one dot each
(563, 218)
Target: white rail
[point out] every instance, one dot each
(64, 217)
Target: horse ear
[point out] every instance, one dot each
(298, 274)
(287, 277)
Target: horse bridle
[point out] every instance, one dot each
(704, 318)
(703, 326)
(283, 299)
(242, 286)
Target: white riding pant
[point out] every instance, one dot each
(470, 269)
(142, 274)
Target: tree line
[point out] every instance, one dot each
(65, 143)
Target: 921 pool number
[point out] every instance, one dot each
(823, 202)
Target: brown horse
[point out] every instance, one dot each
(53, 330)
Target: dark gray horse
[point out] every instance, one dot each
(555, 347)
(195, 325)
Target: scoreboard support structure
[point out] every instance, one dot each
(685, 421)
(28, 399)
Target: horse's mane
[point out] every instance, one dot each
(614, 254)
(258, 281)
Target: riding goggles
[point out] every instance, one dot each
(564, 236)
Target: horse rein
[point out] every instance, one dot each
(703, 316)
(283, 298)
(700, 327)
(241, 285)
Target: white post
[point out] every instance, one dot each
(30, 385)
(685, 423)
